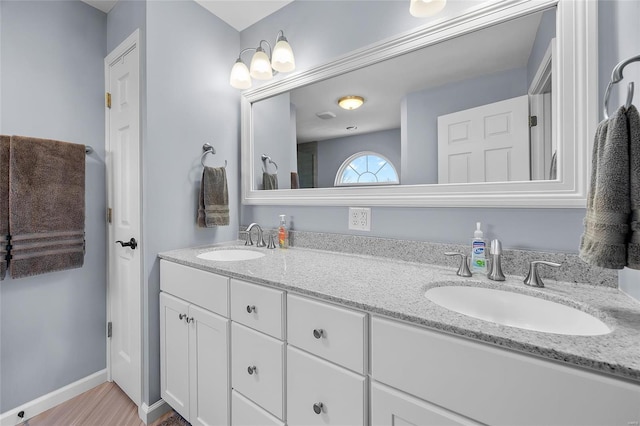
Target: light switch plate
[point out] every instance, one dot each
(360, 218)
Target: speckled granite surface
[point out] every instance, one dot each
(396, 288)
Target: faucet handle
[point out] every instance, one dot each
(272, 243)
(260, 242)
(533, 279)
(463, 269)
(247, 238)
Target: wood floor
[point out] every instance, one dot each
(104, 405)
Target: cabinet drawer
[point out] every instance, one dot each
(390, 407)
(257, 368)
(325, 330)
(312, 381)
(258, 307)
(246, 413)
(202, 288)
(492, 385)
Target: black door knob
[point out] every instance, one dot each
(131, 243)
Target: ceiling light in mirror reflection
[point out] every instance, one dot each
(279, 59)
(426, 8)
(350, 102)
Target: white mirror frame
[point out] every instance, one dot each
(576, 86)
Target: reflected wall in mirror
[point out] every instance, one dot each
(454, 112)
(476, 70)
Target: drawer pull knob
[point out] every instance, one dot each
(318, 407)
(252, 369)
(190, 319)
(182, 316)
(251, 308)
(318, 333)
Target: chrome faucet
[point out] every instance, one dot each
(247, 233)
(533, 279)
(495, 271)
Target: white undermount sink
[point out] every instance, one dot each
(230, 255)
(517, 310)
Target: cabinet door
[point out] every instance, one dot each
(174, 353)
(208, 363)
(392, 408)
(257, 368)
(321, 393)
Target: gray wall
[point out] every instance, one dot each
(305, 23)
(189, 102)
(546, 32)
(619, 40)
(420, 134)
(52, 326)
(333, 152)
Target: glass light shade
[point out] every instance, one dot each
(261, 66)
(350, 102)
(240, 78)
(282, 59)
(426, 8)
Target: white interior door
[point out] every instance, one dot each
(489, 143)
(123, 181)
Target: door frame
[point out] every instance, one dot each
(131, 42)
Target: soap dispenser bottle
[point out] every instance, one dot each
(283, 234)
(478, 260)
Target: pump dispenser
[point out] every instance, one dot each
(478, 260)
(283, 234)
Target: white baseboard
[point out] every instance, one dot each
(50, 400)
(149, 414)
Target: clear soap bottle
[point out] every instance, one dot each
(283, 234)
(478, 246)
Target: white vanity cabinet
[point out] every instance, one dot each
(257, 352)
(484, 383)
(194, 344)
(326, 364)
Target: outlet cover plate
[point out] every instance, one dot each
(360, 218)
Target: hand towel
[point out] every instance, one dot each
(4, 203)
(213, 207)
(269, 181)
(46, 205)
(633, 249)
(295, 181)
(604, 242)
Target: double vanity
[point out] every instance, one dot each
(252, 336)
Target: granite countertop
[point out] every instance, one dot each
(396, 289)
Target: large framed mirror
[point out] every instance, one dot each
(520, 76)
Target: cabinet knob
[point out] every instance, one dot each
(318, 333)
(190, 319)
(318, 407)
(182, 316)
(251, 308)
(252, 369)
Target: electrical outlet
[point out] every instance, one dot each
(360, 218)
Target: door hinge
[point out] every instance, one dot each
(109, 214)
(109, 329)
(108, 99)
(533, 121)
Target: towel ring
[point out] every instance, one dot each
(616, 76)
(266, 158)
(208, 149)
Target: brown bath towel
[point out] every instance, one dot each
(46, 205)
(213, 209)
(295, 181)
(633, 249)
(4, 203)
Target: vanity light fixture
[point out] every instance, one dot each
(350, 102)
(426, 8)
(280, 59)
